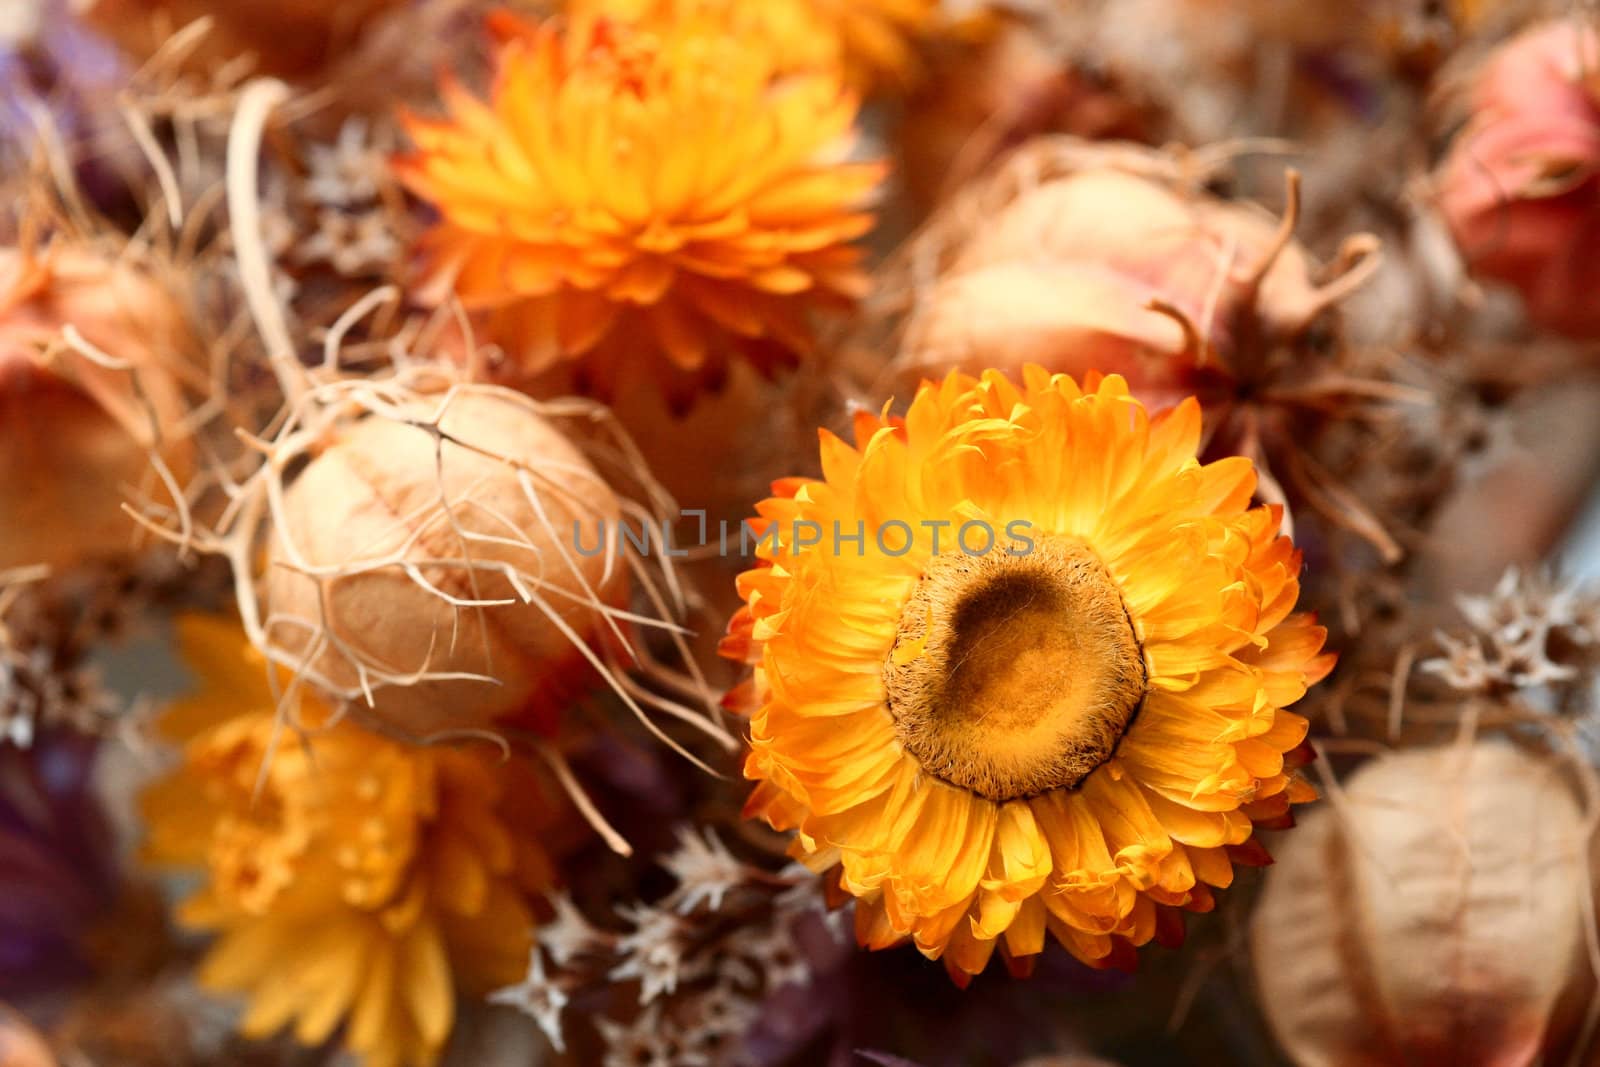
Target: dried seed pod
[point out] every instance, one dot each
(1219, 263)
(20, 1043)
(77, 433)
(1433, 915)
(1520, 187)
(1140, 264)
(1079, 256)
(1070, 317)
(450, 557)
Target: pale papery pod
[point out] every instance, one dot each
(1520, 187)
(1431, 913)
(1070, 317)
(416, 565)
(1141, 260)
(1212, 259)
(79, 430)
(20, 1044)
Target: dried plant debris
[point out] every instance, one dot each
(50, 627)
(1533, 636)
(699, 961)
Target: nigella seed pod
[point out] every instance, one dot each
(20, 1044)
(1433, 916)
(1109, 257)
(91, 364)
(430, 557)
(995, 84)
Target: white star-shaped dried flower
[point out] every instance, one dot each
(538, 997)
(706, 871)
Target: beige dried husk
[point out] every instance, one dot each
(430, 553)
(93, 352)
(1432, 913)
(20, 1044)
(1135, 270)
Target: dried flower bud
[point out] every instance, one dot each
(445, 556)
(1215, 261)
(1084, 257)
(1434, 916)
(1070, 317)
(1520, 188)
(78, 435)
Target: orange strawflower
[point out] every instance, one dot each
(1044, 691)
(352, 880)
(871, 41)
(652, 198)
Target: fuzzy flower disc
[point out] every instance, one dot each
(644, 197)
(352, 880)
(1044, 692)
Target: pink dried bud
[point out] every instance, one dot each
(1109, 264)
(78, 432)
(454, 573)
(1070, 317)
(1520, 187)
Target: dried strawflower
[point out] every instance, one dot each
(1521, 185)
(872, 41)
(1044, 690)
(351, 879)
(1432, 914)
(646, 201)
(92, 356)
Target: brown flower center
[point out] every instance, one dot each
(1012, 675)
